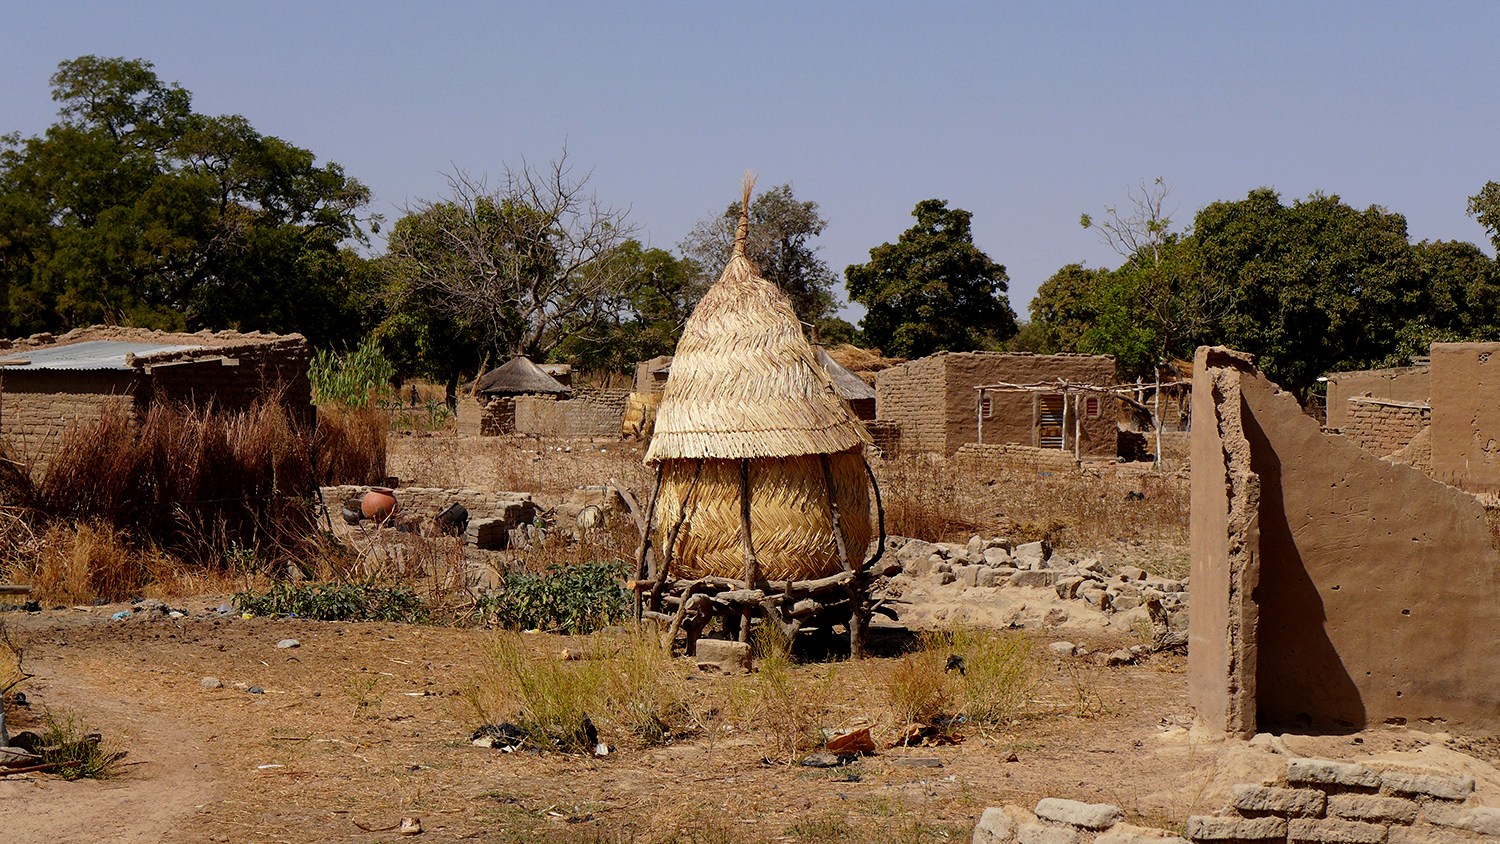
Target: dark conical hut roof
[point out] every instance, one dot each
(745, 383)
(517, 376)
(850, 386)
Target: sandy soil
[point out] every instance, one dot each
(307, 762)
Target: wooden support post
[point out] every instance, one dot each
(643, 553)
(752, 565)
(880, 517)
(14, 589)
(666, 556)
(833, 513)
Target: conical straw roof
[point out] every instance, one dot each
(745, 382)
(518, 375)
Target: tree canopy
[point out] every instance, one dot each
(1309, 287)
(781, 232)
(932, 289)
(135, 209)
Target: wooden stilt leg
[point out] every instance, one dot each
(752, 565)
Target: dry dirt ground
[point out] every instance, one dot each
(365, 723)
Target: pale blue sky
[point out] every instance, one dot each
(1025, 114)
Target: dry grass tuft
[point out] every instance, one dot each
(350, 445)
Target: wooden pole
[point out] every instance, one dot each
(1156, 417)
(643, 553)
(1077, 424)
(752, 565)
(14, 589)
(666, 555)
(979, 415)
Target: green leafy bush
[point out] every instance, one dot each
(354, 379)
(336, 602)
(565, 599)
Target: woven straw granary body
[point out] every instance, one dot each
(747, 397)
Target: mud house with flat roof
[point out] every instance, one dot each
(1051, 402)
(48, 385)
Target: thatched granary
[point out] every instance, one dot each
(757, 454)
(489, 406)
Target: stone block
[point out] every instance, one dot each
(1480, 819)
(1324, 772)
(999, 824)
(1063, 648)
(1038, 833)
(1424, 835)
(1077, 813)
(969, 575)
(723, 655)
(1368, 807)
(1230, 828)
(996, 557)
(1067, 587)
(1124, 833)
(1124, 603)
(1032, 552)
(1428, 785)
(976, 545)
(942, 578)
(1098, 597)
(1034, 579)
(914, 550)
(1282, 801)
(987, 576)
(1132, 572)
(1330, 831)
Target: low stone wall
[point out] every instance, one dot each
(1314, 800)
(1383, 427)
(591, 413)
(427, 501)
(993, 459)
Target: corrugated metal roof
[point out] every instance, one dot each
(91, 355)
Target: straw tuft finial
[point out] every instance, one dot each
(742, 236)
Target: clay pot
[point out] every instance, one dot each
(379, 504)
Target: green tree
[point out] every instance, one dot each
(932, 289)
(1315, 286)
(781, 231)
(645, 318)
(1485, 207)
(135, 209)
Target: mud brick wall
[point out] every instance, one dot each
(1011, 414)
(1382, 428)
(595, 412)
(483, 416)
(886, 436)
(936, 404)
(1332, 590)
(990, 460)
(1466, 414)
(39, 408)
(242, 374)
(1402, 384)
(912, 395)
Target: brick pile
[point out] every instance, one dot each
(1315, 801)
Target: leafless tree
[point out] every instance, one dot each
(527, 261)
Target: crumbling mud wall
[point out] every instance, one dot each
(1382, 426)
(1466, 414)
(1331, 589)
(1402, 384)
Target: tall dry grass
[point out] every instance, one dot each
(350, 446)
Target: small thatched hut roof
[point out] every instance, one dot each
(745, 382)
(518, 376)
(850, 386)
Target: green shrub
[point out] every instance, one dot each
(564, 599)
(354, 379)
(336, 602)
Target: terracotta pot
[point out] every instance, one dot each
(379, 504)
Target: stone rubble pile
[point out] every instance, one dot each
(989, 563)
(1314, 801)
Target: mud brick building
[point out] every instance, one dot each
(48, 385)
(936, 403)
